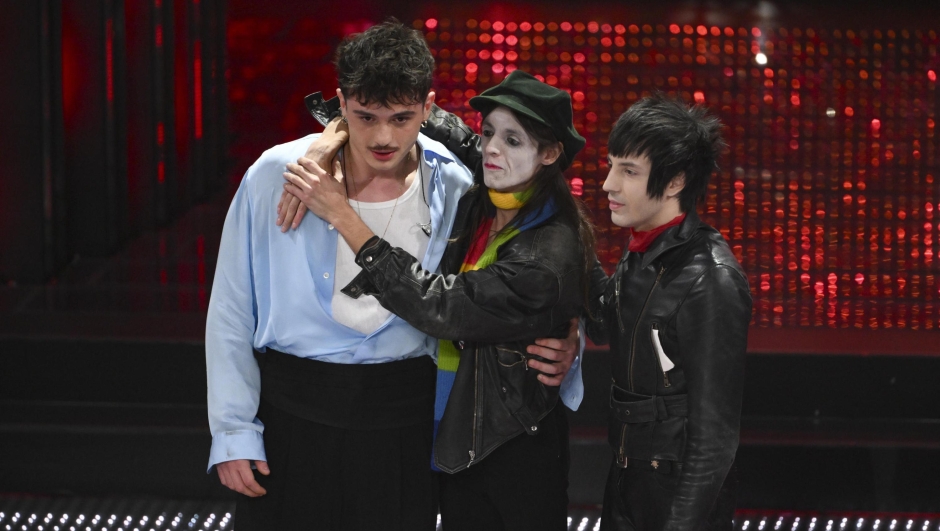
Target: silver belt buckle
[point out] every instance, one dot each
(622, 461)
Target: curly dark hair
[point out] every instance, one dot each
(676, 138)
(386, 64)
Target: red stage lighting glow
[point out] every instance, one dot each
(197, 87)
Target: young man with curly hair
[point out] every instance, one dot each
(321, 403)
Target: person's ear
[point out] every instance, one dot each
(676, 185)
(551, 154)
(428, 102)
(342, 102)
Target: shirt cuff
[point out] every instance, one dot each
(572, 387)
(236, 444)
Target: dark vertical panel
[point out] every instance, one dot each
(96, 144)
(142, 113)
(214, 93)
(180, 180)
(30, 169)
(55, 242)
(167, 71)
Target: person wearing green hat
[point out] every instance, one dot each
(517, 268)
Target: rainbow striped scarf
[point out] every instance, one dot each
(479, 256)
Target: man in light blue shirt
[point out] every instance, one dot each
(335, 414)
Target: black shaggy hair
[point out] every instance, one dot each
(676, 138)
(386, 64)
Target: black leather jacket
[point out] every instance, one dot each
(688, 292)
(532, 290)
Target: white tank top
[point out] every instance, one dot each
(365, 314)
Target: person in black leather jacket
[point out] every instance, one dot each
(676, 313)
(516, 270)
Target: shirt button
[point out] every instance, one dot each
(368, 259)
(326, 275)
(330, 226)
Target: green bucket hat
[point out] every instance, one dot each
(544, 103)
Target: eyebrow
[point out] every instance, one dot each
(627, 164)
(403, 114)
(508, 131)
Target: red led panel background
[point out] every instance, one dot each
(828, 193)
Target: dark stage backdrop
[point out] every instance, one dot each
(828, 193)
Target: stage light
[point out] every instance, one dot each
(760, 58)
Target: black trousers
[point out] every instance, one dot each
(349, 446)
(326, 478)
(522, 485)
(638, 498)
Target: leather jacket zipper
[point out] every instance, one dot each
(476, 404)
(637, 325)
(659, 362)
(617, 303)
(623, 436)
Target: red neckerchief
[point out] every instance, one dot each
(640, 241)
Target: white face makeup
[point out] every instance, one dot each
(510, 156)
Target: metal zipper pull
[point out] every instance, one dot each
(473, 456)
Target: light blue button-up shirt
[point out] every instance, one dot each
(274, 289)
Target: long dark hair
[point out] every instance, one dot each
(548, 183)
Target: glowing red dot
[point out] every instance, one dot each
(430, 23)
(729, 71)
(566, 26)
(699, 96)
(701, 30)
(498, 55)
(578, 96)
(472, 67)
(769, 72)
(755, 32)
(498, 68)
(849, 111)
(579, 57)
(577, 186)
(876, 124)
(498, 26)
(931, 75)
(859, 278)
(674, 28)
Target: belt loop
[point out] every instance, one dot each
(661, 412)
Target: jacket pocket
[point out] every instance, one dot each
(520, 393)
(509, 358)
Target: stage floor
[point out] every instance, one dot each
(23, 513)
